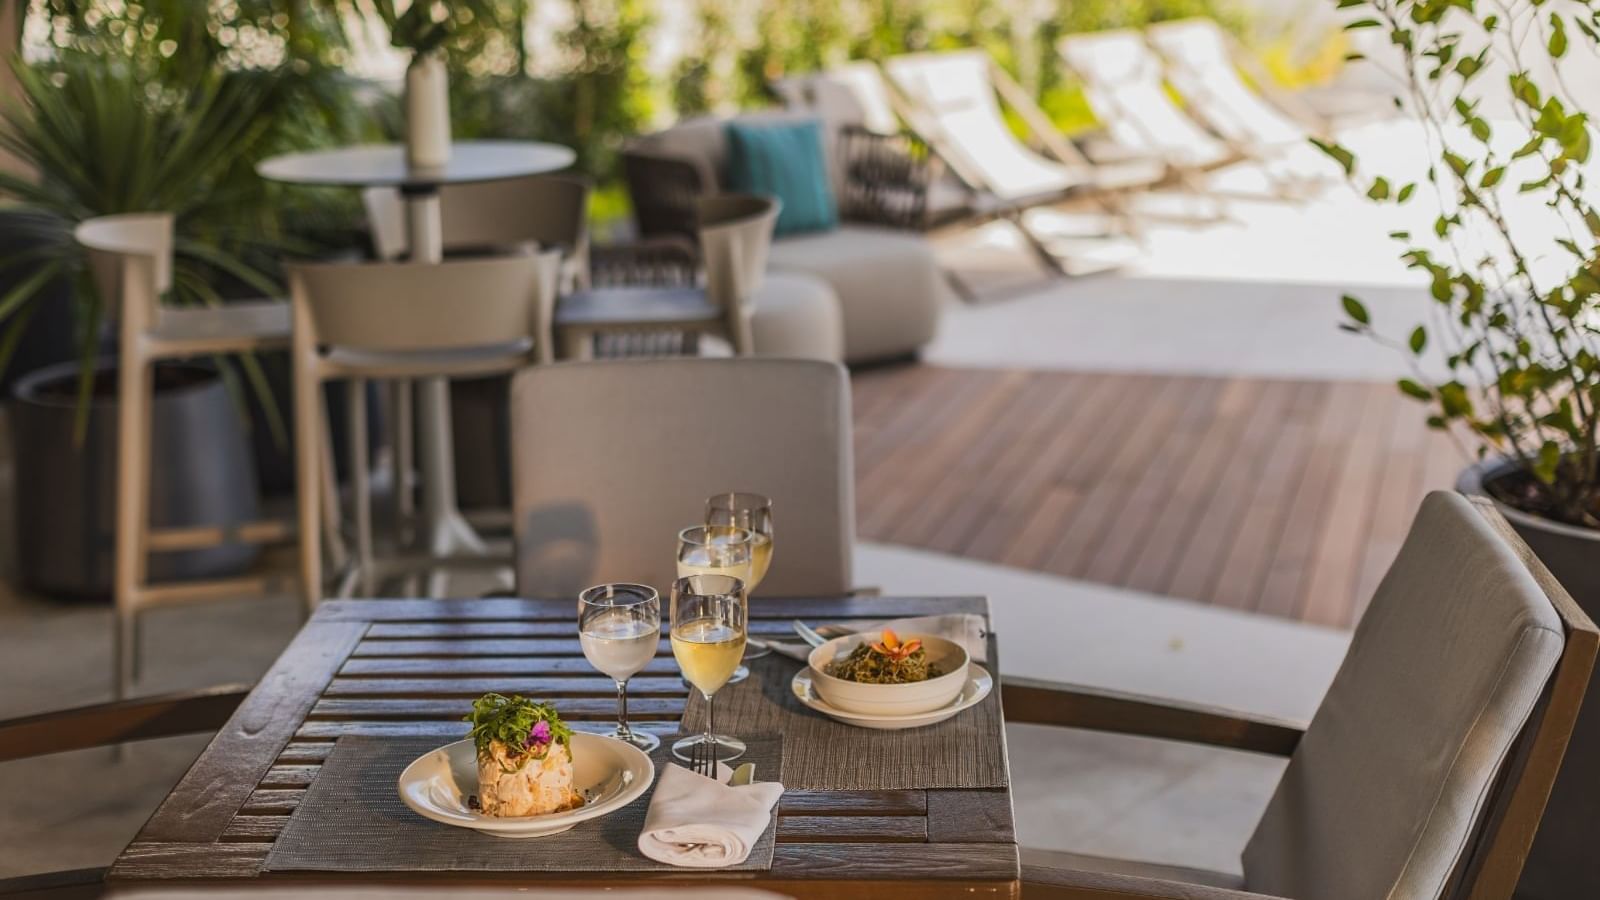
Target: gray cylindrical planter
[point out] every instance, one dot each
(1571, 553)
(203, 473)
(1562, 864)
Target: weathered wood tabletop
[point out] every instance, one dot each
(411, 667)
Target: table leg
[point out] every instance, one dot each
(444, 529)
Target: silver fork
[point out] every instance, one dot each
(703, 758)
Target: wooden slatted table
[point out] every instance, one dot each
(411, 668)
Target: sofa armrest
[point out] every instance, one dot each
(1033, 701)
(885, 177)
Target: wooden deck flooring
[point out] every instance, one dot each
(1288, 498)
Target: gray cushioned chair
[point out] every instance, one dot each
(888, 282)
(1425, 770)
(614, 458)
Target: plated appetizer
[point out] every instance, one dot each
(885, 661)
(524, 754)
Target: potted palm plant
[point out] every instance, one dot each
(1512, 261)
(101, 138)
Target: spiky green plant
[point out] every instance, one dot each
(100, 139)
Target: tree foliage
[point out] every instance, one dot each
(1519, 339)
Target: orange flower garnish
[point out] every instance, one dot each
(891, 646)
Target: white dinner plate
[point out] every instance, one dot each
(978, 686)
(607, 772)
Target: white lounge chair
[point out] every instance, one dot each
(953, 100)
(1204, 63)
(1122, 78)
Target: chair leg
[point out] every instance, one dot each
(332, 534)
(135, 386)
(309, 479)
(404, 460)
(577, 343)
(360, 488)
(1040, 251)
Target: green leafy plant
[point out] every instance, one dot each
(526, 729)
(425, 25)
(1518, 336)
(101, 139)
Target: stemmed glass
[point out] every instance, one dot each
(708, 635)
(718, 550)
(619, 626)
(753, 513)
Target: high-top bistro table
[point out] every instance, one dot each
(385, 165)
(408, 668)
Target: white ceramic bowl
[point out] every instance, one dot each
(609, 774)
(890, 699)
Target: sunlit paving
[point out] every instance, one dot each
(887, 448)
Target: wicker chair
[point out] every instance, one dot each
(889, 288)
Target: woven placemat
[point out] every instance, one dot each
(819, 753)
(352, 820)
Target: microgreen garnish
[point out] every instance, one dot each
(526, 729)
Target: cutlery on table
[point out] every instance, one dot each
(808, 634)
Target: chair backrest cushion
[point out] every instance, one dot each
(455, 304)
(1387, 789)
(611, 459)
(108, 239)
(784, 160)
(704, 140)
(516, 214)
(735, 241)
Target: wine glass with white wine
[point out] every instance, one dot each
(753, 513)
(619, 626)
(718, 550)
(708, 634)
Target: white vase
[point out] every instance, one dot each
(427, 112)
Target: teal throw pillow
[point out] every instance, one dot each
(784, 160)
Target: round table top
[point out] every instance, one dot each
(384, 165)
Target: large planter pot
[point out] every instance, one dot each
(1571, 553)
(51, 334)
(203, 474)
(1562, 863)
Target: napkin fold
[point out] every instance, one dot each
(700, 823)
(966, 629)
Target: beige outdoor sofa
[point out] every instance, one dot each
(889, 288)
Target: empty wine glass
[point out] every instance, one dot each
(708, 634)
(619, 626)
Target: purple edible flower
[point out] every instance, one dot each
(539, 735)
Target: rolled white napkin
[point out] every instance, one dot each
(697, 822)
(966, 629)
